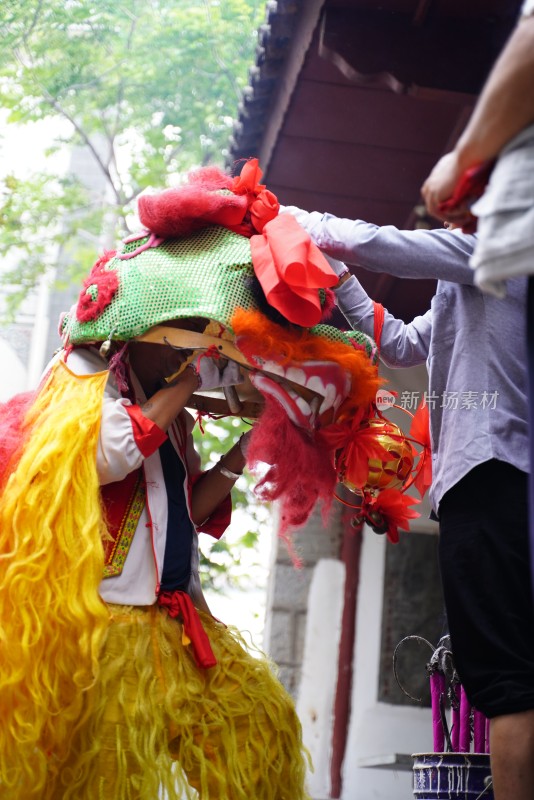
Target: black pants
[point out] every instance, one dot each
(485, 569)
(530, 361)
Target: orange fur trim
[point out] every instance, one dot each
(258, 336)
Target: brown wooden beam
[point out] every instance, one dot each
(441, 52)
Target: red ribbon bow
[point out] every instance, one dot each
(179, 604)
(289, 267)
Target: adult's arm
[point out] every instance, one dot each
(129, 432)
(402, 344)
(212, 488)
(439, 253)
(505, 107)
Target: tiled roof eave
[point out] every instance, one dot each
(274, 44)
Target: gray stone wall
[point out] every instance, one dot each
(287, 595)
(413, 606)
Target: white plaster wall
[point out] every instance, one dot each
(12, 371)
(377, 728)
(18, 374)
(319, 671)
(41, 326)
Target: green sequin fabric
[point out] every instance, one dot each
(348, 337)
(200, 275)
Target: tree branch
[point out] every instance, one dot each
(219, 60)
(55, 104)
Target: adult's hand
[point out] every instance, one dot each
(165, 405)
(302, 217)
(440, 185)
(214, 373)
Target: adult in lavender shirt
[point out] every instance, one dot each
(502, 127)
(474, 348)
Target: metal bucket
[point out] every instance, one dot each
(451, 776)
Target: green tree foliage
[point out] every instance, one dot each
(221, 561)
(149, 87)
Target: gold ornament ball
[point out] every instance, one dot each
(393, 472)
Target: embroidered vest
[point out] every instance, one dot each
(123, 503)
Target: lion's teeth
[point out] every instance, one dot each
(296, 375)
(330, 396)
(303, 406)
(315, 384)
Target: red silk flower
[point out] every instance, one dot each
(289, 267)
(393, 507)
(263, 205)
(358, 445)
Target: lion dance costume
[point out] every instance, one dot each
(111, 687)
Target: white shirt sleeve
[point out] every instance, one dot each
(117, 452)
(527, 8)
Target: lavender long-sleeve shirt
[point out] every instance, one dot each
(473, 344)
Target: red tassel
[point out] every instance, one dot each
(420, 432)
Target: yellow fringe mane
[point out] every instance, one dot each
(51, 562)
(162, 727)
(105, 702)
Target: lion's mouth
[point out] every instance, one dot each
(305, 390)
